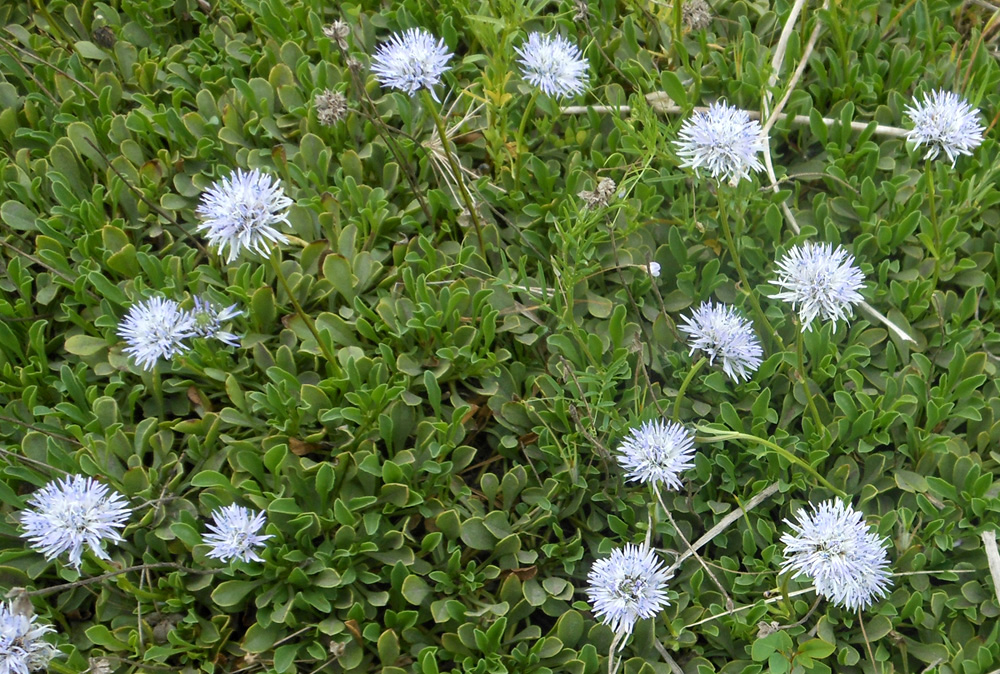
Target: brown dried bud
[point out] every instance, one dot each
(338, 32)
(331, 107)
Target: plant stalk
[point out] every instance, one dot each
(456, 170)
(306, 318)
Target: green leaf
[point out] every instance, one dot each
(16, 215)
(416, 590)
(233, 592)
(85, 345)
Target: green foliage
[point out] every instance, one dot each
(437, 493)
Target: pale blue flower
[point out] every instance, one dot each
(154, 329)
(71, 513)
(657, 453)
(945, 122)
(208, 321)
(234, 534)
(819, 280)
(721, 332)
(628, 586)
(723, 140)
(553, 64)
(241, 211)
(836, 549)
(22, 648)
(410, 61)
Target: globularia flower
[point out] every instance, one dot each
(835, 548)
(410, 61)
(819, 280)
(723, 140)
(628, 586)
(553, 64)
(721, 332)
(22, 648)
(234, 534)
(70, 513)
(208, 321)
(654, 269)
(155, 329)
(331, 107)
(657, 452)
(241, 211)
(945, 123)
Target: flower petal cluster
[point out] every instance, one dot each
(154, 329)
(73, 512)
(945, 122)
(234, 534)
(22, 648)
(208, 321)
(410, 61)
(553, 64)
(628, 586)
(657, 452)
(819, 280)
(240, 212)
(723, 140)
(835, 548)
(721, 332)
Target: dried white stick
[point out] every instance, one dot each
(660, 102)
(993, 558)
(724, 524)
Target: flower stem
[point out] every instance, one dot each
(735, 254)
(935, 227)
(456, 170)
(684, 385)
(810, 403)
(721, 436)
(161, 411)
(519, 140)
(306, 318)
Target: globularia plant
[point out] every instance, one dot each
(72, 513)
(819, 281)
(553, 64)
(242, 211)
(657, 452)
(944, 122)
(721, 332)
(834, 548)
(628, 586)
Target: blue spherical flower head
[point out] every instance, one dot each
(723, 140)
(819, 280)
(628, 586)
(208, 321)
(234, 534)
(22, 647)
(154, 329)
(657, 453)
(833, 547)
(241, 211)
(945, 123)
(71, 513)
(721, 332)
(411, 61)
(553, 64)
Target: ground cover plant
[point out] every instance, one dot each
(511, 336)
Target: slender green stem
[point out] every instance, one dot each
(721, 436)
(735, 254)
(810, 403)
(456, 170)
(306, 318)
(684, 385)
(935, 226)
(161, 410)
(519, 141)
